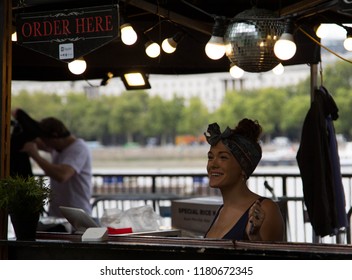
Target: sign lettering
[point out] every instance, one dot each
(84, 29)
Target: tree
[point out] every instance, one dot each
(343, 124)
(295, 109)
(155, 119)
(231, 110)
(338, 75)
(129, 114)
(173, 118)
(266, 107)
(135, 116)
(32, 103)
(194, 118)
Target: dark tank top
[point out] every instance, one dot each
(238, 231)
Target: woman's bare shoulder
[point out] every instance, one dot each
(269, 204)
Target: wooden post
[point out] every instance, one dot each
(5, 102)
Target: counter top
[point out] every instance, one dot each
(70, 246)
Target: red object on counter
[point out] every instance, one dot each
(119, 230)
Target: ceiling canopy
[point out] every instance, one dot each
(160, 19)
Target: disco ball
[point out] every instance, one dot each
(251, 36)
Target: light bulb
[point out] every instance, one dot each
(169, 45)
(348, 44)
(152, 49)
(321, 32)
(215, 48)
(77, 66)
(326, 30)
(279, 69)
(228, 49)
(285, 48)
(14, 37)
(128, 35)
(236, 72)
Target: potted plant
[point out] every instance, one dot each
(24, 199)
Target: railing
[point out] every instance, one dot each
(134, 189)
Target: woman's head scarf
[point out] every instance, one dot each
(247, 152)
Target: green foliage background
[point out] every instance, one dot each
(134, 116)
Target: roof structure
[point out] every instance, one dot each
(163, 18)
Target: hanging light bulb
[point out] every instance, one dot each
(279, 69)
(347, 43)
(325, 30)
(152, 49)
(169, 45)
(14, 37)
(285, 48)
(215, 48)
(77, 66)
(235, 71)
(321, 31)
(128, 35)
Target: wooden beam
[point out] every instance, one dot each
(175, 17)
(5, 102)
(6, 76)
(307, 7)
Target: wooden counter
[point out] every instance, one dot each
(68, 246)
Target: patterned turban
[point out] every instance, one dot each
(246, 152)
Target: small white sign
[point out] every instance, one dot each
(66, 51)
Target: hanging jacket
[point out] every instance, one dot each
(318, 161)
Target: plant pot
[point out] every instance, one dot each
(25, 225)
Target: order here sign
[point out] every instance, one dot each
(68, 34)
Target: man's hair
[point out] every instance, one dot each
(53, 128)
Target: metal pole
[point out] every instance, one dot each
(313, 80)
(313, 87)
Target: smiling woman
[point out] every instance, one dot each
(233, 156)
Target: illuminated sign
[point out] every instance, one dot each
(68, 34)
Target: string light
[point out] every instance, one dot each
(77, 66)
(128, 35)
(169, 45)
(152, 49)
(236, 72)
(285, 48)
(215, 48)
(279, 69)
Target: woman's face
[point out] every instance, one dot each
(223, 168)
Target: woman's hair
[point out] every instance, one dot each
(249, 129)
